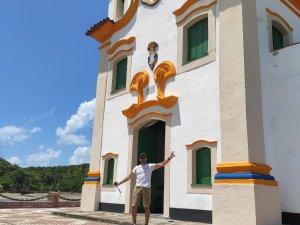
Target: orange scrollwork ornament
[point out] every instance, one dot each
(162, 73)
(138, 83)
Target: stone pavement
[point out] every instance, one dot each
(39, 217)
(118, 218)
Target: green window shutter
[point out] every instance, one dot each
(277, 39)
(203, 166)
(121, 74)
(198, 40)
(110, 171)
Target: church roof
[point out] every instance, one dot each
(98, 26)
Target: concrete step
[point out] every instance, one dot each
(119, 218)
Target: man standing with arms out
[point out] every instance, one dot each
(142, 188)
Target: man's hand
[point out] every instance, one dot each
(162, 164)
(172, 155)
(116, 183)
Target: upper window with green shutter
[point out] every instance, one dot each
(203, 167)
(197, 46)
(121, 74)
(277, 37)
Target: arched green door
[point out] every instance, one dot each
(151, 141)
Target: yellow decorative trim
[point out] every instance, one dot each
(134, 109)
(120, 43)
(105, 45)
(121, 51)
(185, 7)
(293, 5)
(189, 146)
(163, 72)
(91, 182)
(107, 30)
(244, 167)
(150, 113)
(94, 174)
(279, 17)
(247, 181)
(113, 154)
(196, 10)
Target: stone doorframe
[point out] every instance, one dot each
(132, 158)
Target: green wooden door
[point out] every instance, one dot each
(203, 167)
(152, 142)
(198, 40)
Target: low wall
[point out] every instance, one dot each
(53, 202)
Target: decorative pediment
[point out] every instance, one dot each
(140, 81)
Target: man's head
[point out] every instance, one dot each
(143, 158)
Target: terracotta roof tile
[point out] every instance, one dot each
(99, 25)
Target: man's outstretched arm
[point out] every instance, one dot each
(162, 164)
(130, 176)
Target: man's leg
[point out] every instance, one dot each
(147, 203)
(136, 198)
(147, 215)
(133, 214)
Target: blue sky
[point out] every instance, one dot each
(48, 73)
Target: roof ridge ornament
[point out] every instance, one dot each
(150, 3)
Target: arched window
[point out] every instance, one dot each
(280, 31)
(197, 40)
(110, 171)
(203, 167)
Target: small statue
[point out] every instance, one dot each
(153, 56)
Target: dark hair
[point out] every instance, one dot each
(143, 155)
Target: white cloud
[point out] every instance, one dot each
(35, 130)
(83, 118)
(13, 134)
(43, 157)
(50, 113)
(80, 155)
(14, 160)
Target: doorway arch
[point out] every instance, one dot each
(151, 140)
(152, 122)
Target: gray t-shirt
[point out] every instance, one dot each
(143, 175)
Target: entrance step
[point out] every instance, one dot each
(118, 218)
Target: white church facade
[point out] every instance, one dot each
(218, 82)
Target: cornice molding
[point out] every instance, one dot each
(120, 43)
(199, 8)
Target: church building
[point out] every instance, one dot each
(216, 81)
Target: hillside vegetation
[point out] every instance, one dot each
(41, 179)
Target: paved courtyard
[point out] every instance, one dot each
(39, 217)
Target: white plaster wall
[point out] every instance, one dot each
(111, 8)
(196, 116)
(281, 109)
(115, 139)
